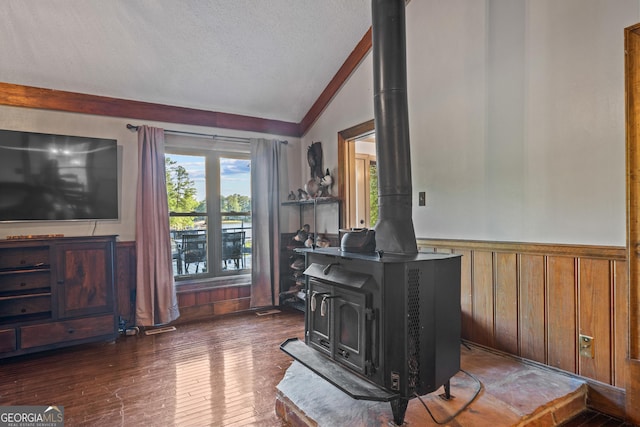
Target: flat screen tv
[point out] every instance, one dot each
(56, 177)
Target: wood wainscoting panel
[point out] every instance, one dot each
(125, 277)
(187, 299)
(197, 303)
(561, 302)
(620, 325)
(483, 315)
(594, 302)
(506, 303)
(532, 307)
(466, 293)
(559, 290)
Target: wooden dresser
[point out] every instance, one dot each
(56, 292)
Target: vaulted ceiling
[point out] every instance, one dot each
(268, 59)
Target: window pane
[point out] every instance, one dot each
(235, 208)
(189, 251)
(235, 185)
(186, 184)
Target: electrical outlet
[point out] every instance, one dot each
(585, 345)
(422, 198)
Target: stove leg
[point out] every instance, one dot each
(398, 408)
(447, 390)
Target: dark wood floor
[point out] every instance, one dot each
(594, 419)
(221, 372)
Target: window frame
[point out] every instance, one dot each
(212, 153)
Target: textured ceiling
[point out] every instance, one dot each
(262, 58)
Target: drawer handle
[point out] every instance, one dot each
(24, 310)
(23, 284)
(71, 331)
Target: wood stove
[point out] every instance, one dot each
(391, 321)
(384, 325)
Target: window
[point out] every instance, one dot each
(209, 197)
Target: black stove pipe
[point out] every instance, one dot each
(394, 229)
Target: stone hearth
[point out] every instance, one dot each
(514, 393)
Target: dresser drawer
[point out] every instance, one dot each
(24, 305)
(16, 258)
(12, 283)
(70, 330)
(7, 340)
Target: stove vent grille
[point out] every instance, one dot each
(413, 328)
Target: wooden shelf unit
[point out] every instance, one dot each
(292, 282)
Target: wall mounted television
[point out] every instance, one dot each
(57, 177)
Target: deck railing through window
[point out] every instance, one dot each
(190, 248)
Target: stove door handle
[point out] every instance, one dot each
(314, 303)
(323, 304)
(327, 269)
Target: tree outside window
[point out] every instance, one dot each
(181, 195)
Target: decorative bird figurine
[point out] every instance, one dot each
(314, 157)
(325, 183)
(322, 241)
(302, 195)
(312, 187)
(309, 242)
(291, 196)
(301, 236)
(327, 179)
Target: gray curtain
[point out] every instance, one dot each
(156, 301)
(265, 201)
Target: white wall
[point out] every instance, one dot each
(517, 118)
(352, 105)
(55, 122)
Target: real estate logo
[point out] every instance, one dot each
(31, 416)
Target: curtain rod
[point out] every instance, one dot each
(206, 135)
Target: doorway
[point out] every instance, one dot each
(366, 181)
(357, 183)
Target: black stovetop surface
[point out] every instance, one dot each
(376, 256)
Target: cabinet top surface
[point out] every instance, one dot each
(45, 239)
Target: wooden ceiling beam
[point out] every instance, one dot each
(350, 64)
(49, 99)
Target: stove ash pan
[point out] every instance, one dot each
(393, 322)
